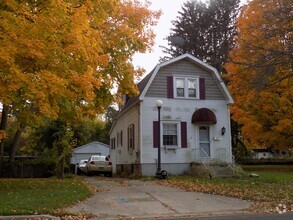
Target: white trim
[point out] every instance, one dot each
(197, 61)
(205, 142)
(140, 133)
(130, 137)
(178, 123)
(141, 97)
(186, 79)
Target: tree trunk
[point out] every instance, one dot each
(16, 141)
(62, 168)
(3, 125)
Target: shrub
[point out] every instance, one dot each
(198, 170)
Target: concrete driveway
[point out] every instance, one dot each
(134, 199)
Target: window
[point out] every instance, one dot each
(112, 142)
(192, 84)
(170, 134)
(187, 88)
(119, 139)
(180, 87)
(173, 135)
(131, 137)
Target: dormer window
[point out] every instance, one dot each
(186, 87)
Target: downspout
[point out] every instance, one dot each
(139, 131)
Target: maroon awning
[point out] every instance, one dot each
(204, 116)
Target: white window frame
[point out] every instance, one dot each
(186, 92)
(204, 154)
(178, 134)
(130, 136)
(119, 139)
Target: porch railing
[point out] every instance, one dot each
(221, 154)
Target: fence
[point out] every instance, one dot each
(27, 168)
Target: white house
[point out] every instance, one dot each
(85, 151)
(262, 153)
(194, 119)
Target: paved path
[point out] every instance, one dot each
(135, 199)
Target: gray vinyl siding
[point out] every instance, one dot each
(158, 88)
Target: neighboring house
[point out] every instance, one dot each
(262, 153)
(195, 119)
(85, 151)
(270, 153)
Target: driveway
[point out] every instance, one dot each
(133, 199)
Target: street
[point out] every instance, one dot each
(286, 216)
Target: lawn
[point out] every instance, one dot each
(47, 196)
(267, 191)
(40, 196)
(268, 168)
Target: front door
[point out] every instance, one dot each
(204, 141)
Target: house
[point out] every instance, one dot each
(262, 153)
(194, 119)
(85, 151)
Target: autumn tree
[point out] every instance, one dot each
(61, 58)
(260, 74)
(208, 30)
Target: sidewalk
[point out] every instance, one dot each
(145, 200)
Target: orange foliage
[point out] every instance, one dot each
(61, 58)
(260, 74)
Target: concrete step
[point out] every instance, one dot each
(221, 171)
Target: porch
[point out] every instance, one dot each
(220, 164)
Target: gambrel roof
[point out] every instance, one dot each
(193, 60)
(145, 83)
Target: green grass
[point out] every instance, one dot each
(275, 177)
(268, 168)
(278, 174)
(40, 196)
(267, 191)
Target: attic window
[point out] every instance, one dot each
(186, 87)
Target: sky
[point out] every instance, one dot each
(169, 10)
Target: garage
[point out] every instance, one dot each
(85, 151)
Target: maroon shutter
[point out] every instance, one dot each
(202, 88)
(170, 90)
(183, 135)
(155, 134)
